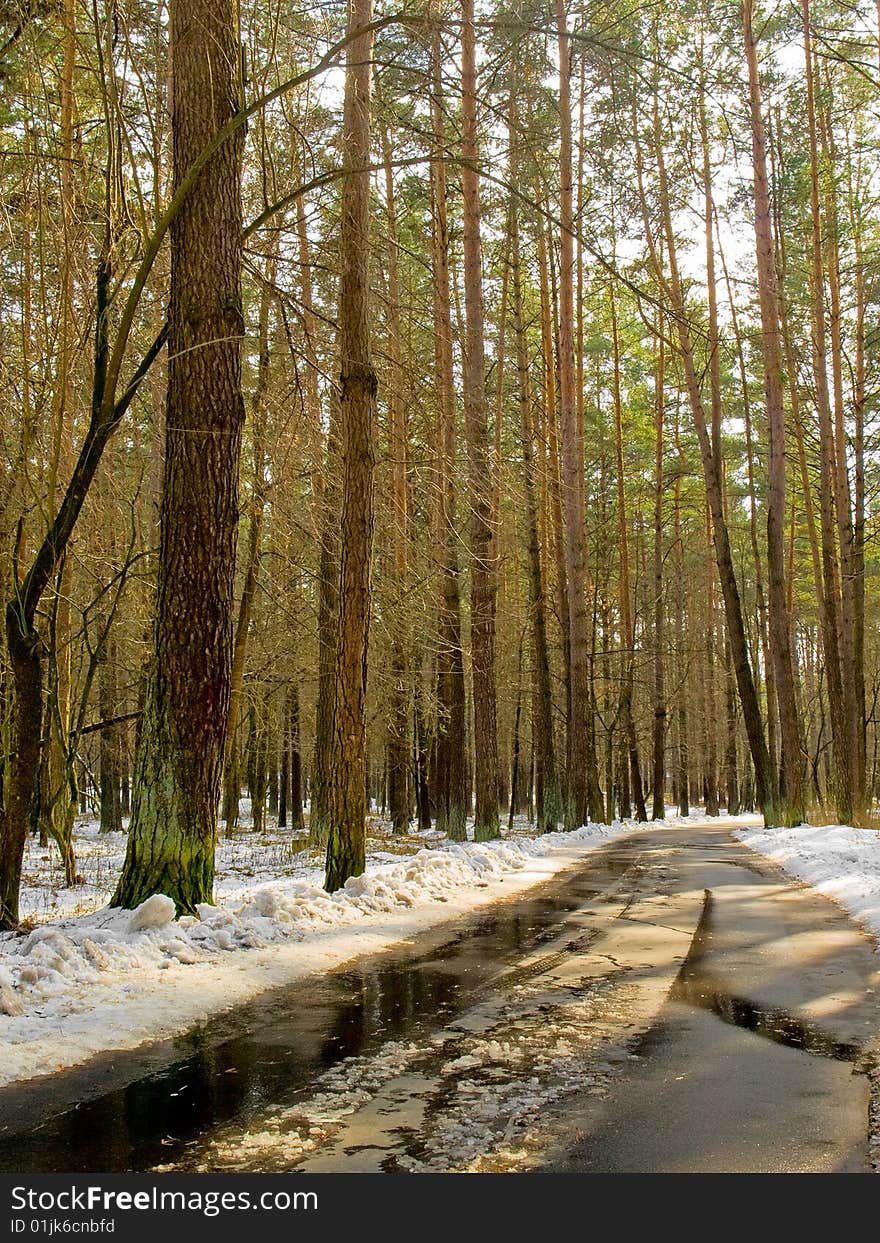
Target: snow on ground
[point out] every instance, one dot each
(836, 859)
(89, 978)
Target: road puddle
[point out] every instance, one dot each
(697, 985)
(268, 1055)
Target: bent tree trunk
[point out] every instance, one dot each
(25, 656)
(179, 766)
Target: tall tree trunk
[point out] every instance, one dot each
(627, 631)
(858, 535)
(583, 796)
(730, 759)
(451, 792)
(325, 478)
(707, 676)
(347, 760)
(760, 596)
(658, 783)
(682, 723)
(547, 793)
(515, 742)
(254, 550)
(58, 799)
(851, 657)
(483, 585)
(672, 287)
(551, 482)
(109, 756)
(791, 773)
(398, 725)
(835, 616)
(173, 829)
(295, 795)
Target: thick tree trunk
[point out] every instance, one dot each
(173, 829)
(328, 605)
(851, 656)
(346, 763)
(19, 808)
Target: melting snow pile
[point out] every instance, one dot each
(838, 860)
(114, 978)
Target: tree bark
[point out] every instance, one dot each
(347, 758)
(295, 788)
(791, 773)
(109, 760)
(173, 829)
(254, 551)
(627, 632)
(483, 586)
(658, 783)
(398, 725)
(583, 796)
(672, 287)
(451, 787)
(547, 793)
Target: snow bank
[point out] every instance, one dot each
(109, 979)
(156, 912)
(837, 859)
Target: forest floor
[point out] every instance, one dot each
(88, 978)
(84, 981)
(669, 1000)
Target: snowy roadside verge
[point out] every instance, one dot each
(837, 859)
(111, 979)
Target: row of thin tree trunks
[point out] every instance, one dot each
(697, 767)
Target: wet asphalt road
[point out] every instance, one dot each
(718, 1016)
(757, 1061)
